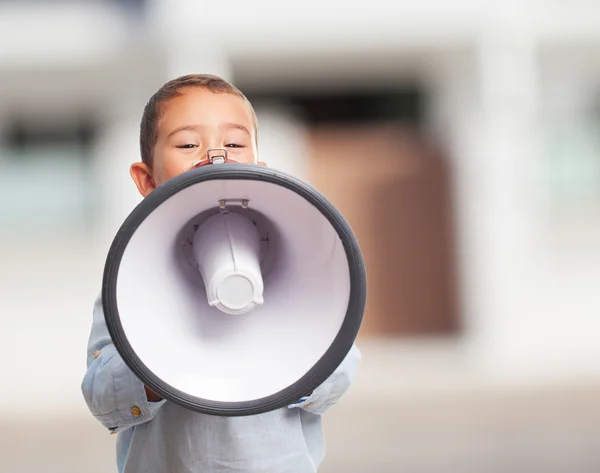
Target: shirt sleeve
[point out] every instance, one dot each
(330, 392)
(114, 395)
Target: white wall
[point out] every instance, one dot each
(530, 306)
(527, 293)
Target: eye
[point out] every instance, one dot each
(233, 145)
(188, 146)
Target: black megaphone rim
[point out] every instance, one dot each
(328, 362)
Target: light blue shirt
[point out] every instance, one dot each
(163, 437)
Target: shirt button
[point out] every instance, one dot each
(136, 411)
(96, 354)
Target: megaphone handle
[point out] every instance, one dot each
(220, 157)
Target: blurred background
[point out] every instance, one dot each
(461, 139)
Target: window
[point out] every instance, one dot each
(45, 175)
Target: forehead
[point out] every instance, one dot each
(200, 106)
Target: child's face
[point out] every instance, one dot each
(189, 125)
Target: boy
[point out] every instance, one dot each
(182, 120)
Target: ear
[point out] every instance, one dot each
(141, 175)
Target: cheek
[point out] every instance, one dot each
(247, 156)
(243, 159)
(176, 168)
(170, 169)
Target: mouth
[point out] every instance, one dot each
(213, 156)
(204, 162)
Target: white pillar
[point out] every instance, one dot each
(496, 148)
(506, 151)
(118, 147)
(283, 141)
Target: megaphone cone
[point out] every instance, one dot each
(234, 289)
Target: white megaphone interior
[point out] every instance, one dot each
(224, 247)
(199, 349)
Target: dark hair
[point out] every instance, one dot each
(151, 115)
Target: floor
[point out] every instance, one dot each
(389, 421)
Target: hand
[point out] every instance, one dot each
(151, 395)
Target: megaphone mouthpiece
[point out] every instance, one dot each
(227, 249)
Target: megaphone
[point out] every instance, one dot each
(234, 289)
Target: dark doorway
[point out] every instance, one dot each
(369, 156)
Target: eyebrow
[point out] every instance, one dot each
(235, 126)
(183, 128)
